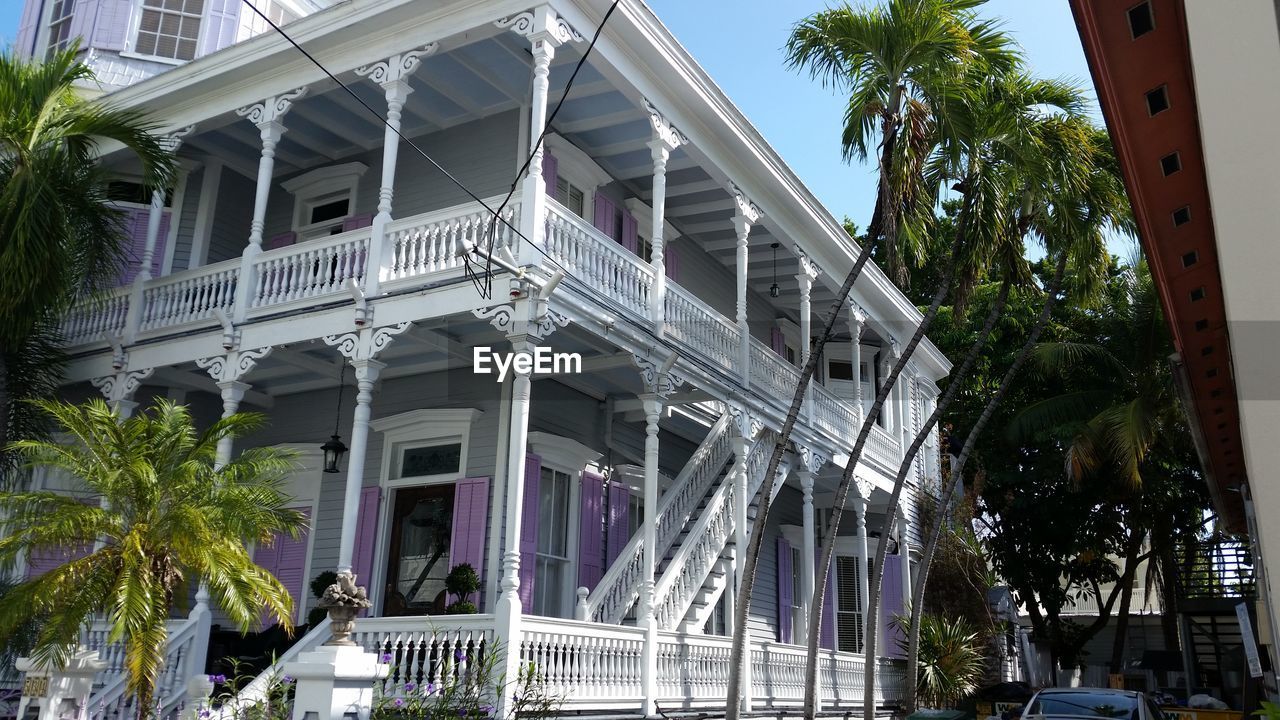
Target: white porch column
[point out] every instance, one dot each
(809, 271)
(886, 362)
(808, 550)
(666, 138)
(393, 75)
(155, 215)
(232, 393)
(904, 549)
(860, 502)
(747, 427)
(745, 215)
(268, 116)
(546, 31)
(659, 380)
(227, 370)
(359, 348)
(857, 320)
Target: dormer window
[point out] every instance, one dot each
(60, 25)
(169, 28)
(324, 201)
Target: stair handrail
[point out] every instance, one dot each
(620, 586)
(171, 687)
(256, 690)
(670, 607)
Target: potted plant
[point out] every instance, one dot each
(318, 585)
(461, 582)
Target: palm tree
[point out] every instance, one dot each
(1072, 225)
(168, 518)
(59, 239)
(897, 64)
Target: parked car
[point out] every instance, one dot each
(1092, 703)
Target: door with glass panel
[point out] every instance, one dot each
(554, 585)
(418, 558)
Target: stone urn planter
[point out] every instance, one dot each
(343, 600)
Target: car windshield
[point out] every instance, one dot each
(1087, 705)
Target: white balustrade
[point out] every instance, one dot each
(620, 586)
(693, 670)
(834, 415)
(424, 244)
(585, 664)
(694, 324)
(705, 541)
(772, 375)
(426, 650)
(604, 265)
(310, 269)
(111, 699)
(190, 295)
(95, 317)
(882, 448)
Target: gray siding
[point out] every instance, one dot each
(233, 212)
(786, 510)
(480, 154)
(187, 221)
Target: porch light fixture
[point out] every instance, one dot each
(334, 449)
(773, 289)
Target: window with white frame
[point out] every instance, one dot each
(324, 198)
(849, 620)
(60, 25)
(577, 176)
(554, 563)
(797, 611)
(169, 28)
(570, 196)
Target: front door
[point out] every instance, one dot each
(418, 561)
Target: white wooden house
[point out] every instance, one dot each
(310, 265)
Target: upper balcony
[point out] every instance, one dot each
(463, 106)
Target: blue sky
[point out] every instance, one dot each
(740, 42)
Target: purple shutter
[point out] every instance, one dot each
(286, 558)
(111, 24)
(284, 239)
(778, 341)
(43, 559)
(891, 606)
(222, 18)
(529, 529)
(355, 222)
(619, 531)
(550, 170)
(162, 240)
(591, 531)
(827, 633)
(133, 226)
(366, 536)
(630, 232)
(671, 261)
(786, 576)
(27, 27)
(470, 524)
(82, 22)
(605, 216)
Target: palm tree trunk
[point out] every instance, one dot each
(1122, 614)
(943, 403)
(751, 556)
(957, 471)
(846, 483)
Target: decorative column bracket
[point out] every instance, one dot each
(398, 67)
(365, 343)
(272, 109)
(234, 365)
(748, 425)
(120, 387)
(659, 379)
(506, 319)
(541, 20)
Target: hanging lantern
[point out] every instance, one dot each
(334, 449)
(774, 291)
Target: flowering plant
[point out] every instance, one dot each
(274, 702)
(458, 684)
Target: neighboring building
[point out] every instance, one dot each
(1178, 81)
(308, 261)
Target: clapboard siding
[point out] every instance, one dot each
(233, 212)
(480, 154)
(187, 221)
(786, 510)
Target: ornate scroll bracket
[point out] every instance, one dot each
(749, 425)
(541, 23)
(669, 135)
(661, 379)
(813, 458)
(273, 108)
(745, 209)
(366, 343)
(808, 267)
(863, 487)
(857, 320)
(397, 67)
(173, 139)
(121, 386)
(234, 365)
(504, 319)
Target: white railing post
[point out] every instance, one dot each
(51, 694)
(546, 31)
(393, 75)
(267, 116)
(666, 138)
(745, 215)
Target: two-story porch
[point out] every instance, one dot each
(279, 265)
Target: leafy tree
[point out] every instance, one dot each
(168, 517)
(59, 239)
